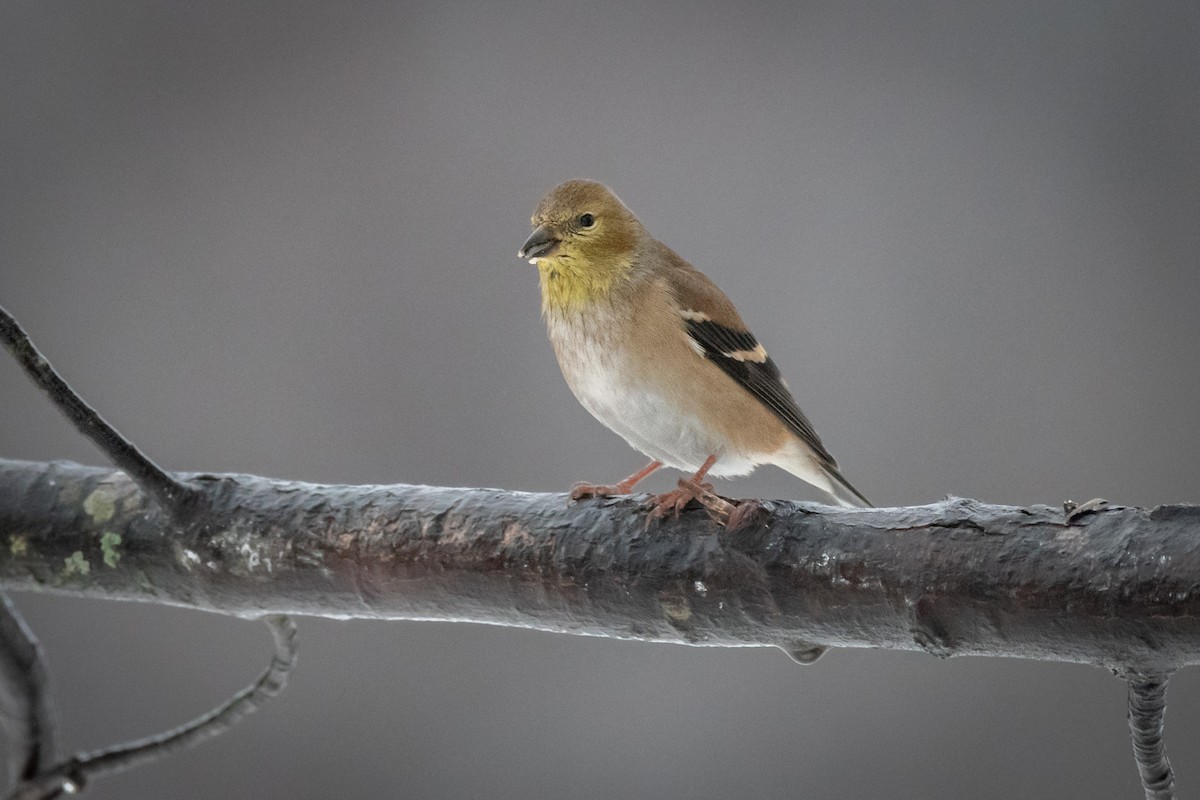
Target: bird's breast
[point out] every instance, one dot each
(605, 376)
(592, 357)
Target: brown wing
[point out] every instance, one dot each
(741, 357)
(716, 328)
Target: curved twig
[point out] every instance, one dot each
(1147, 704)
(25, 710)
(176, 497)
(72, 775)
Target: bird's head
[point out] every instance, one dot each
(584, 240)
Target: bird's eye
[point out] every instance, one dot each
(587, 220)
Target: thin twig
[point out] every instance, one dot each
(25, 710)
(177, 498)
(1147, 704)
(71, 776)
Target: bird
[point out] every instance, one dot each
(657, 353)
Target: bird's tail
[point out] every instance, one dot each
(805, 465)
(843, 491)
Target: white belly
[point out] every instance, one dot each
(644, 418)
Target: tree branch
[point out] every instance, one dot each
(170, 493)
(1116, 587)
(71, 776)
(1147, 704)
(1095, 583)
(24, 700)
(26, 712)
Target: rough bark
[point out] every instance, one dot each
(1117, 587)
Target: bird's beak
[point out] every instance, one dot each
(539, 244)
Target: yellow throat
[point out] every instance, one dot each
(567, 285)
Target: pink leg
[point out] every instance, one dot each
(581, 491)
(690, 489)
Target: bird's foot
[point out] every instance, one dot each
(585, 491)
(672, 502)
(744, 514)
(676, 500)
(582, 491)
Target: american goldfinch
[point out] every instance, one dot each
(655, 351)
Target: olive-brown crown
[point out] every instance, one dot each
(589, 221)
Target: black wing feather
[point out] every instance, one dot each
(760, 378)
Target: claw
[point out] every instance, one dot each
(671, 502)
(718, 507)
(583, 491)
(676, 500)
(743, 515)
(661, 505)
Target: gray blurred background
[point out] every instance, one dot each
(280, 238)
